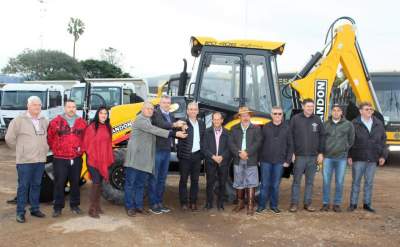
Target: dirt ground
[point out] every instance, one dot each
(210, 228)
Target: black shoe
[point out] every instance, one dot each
(275, 210)
(325, 208)
(337, 209)
(208, 206)
(38, 214)
(260, 210)
(12, 201)
(76, 210)
(221, 207)
(20, 218)
(56, 213)
(367, 207)
(352, 207)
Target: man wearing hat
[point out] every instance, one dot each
(245, 140)
(339, 137)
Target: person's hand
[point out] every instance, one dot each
(381, 161)
(219, 159)
(184, 127)
(320, 158)
(181, 134)
(285, 164)
(243, 155)
(350, 161)
(178, 124)
(214, 158)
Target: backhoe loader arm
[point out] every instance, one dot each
(316, 80)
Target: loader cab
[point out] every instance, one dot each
(230, 74)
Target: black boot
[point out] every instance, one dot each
(367, 207)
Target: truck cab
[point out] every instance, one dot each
(14, 100)
(109, 92)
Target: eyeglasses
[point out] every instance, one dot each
(368, 109)
(277, 113)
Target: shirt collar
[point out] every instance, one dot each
(163, 112)
(31, 117)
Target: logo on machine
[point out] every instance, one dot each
(320, 96)
(122, 127)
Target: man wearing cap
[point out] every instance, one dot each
(339, 137)
(245, 140)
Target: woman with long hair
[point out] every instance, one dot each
(99, 156)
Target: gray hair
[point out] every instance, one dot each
(166, 96)
(193, 103)
(32, 99)
(147, 104)
(277, 107)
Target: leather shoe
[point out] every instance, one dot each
(56, 213)
(309, 208)
(367, 207)
(325, 208)
(20, 218)
(352, 207)
(337, 209)
(293, 208)
(38, 214)
(131, 212)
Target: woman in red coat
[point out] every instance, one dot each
(99, 156)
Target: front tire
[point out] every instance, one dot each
(113, 190)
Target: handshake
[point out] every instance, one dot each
(180, 125)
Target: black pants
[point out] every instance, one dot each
(215, 172)
(189, 167)
(65, 171)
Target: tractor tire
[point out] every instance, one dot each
(113, 190)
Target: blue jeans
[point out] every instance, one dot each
(337, 166)
(29, 180)
(157, 182)
(134, 187)
(362, 169)
(271, 175)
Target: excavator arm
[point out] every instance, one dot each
(316, 80)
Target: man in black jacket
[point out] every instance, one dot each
(216, 152)
(190, 156)
(276, 153)
(244, 142)
(369, 149)
(162, 118)
(308, 140)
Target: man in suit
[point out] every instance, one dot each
(162, 118)
(140, 158)
(245, 140)
(216, 152)
(190, 156)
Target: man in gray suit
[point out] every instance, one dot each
(140, 157)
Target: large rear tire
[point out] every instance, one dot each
(113, 190)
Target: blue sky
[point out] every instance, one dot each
(153, 35)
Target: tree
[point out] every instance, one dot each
(76, 27)
(101, 69)
(111, 55)
(43, 65)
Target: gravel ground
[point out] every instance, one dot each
(211, 228)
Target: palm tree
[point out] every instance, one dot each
(76, 27)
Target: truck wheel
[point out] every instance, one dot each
(113, 190)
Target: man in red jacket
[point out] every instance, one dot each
(65, 137)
